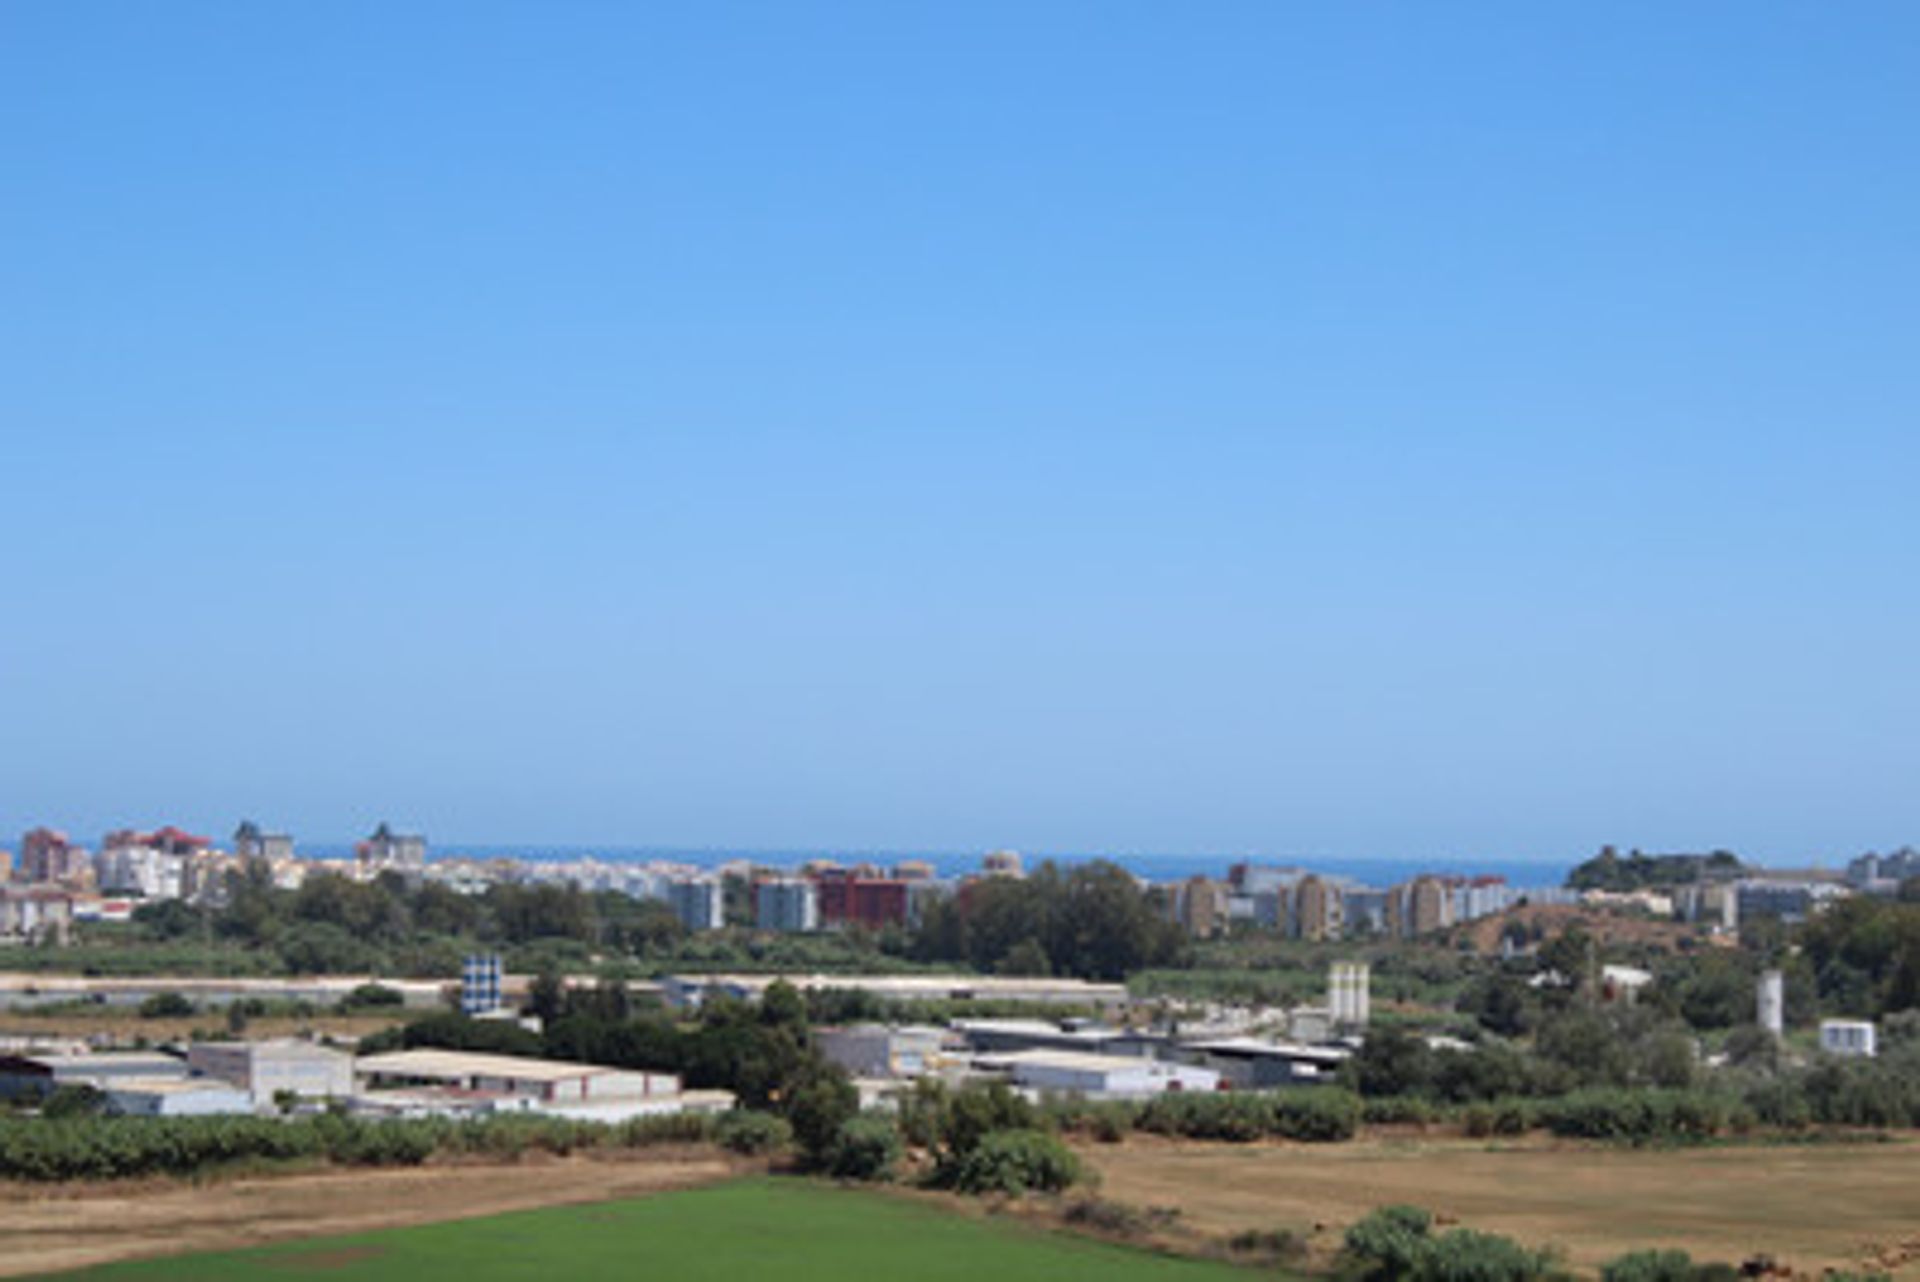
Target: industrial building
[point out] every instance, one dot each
(34, 1077)
(464, 1083)
(888, 1050)
(175, 1097)
(269, 1071)
(1096, 1077)
(1252, 1064)
(1009, 1035)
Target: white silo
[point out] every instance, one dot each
(1772, 1014)
(1349, 1000)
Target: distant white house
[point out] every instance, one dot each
(1849, 1037)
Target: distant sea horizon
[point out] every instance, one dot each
(1381, 872)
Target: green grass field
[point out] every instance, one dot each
(761, 1228)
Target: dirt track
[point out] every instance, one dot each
(47, 1230)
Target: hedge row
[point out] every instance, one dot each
(1316, 1114)
(105, 1148)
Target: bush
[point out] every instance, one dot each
(1316, 1114)
(75, 1100)
(106, 1148)
(1649, 1266)
(974, 1112)
(1465, 1255)
(1397, 1244)
(1397, 1110)
(1099, 1214)
(1015, 1162)
(818, 1109)
(1283, 1246)
(752, 1133)
(1647, 1116)
(1390, 1242)
(1498, 1117)
(1107, 1121)
(866, 1147)
(167, 1005)
(369, 995)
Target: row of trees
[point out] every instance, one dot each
(333, 923)
(1092, 921)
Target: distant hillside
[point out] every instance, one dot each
(1610, 870)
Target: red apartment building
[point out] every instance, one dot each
(850, 899)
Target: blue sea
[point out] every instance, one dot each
(1154, 867)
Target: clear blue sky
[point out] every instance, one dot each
(1343, 429)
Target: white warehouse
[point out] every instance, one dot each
(419, 1082)
(264, 1070)
(1098, 1076)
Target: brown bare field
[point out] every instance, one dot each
(1811, 1206)
(46, 1230)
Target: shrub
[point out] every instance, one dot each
(866, 1147)
(167, 1005)
(1498, 1117)
(974, 1112)
(1466, 1255)
(1107, 1121)
(1647, 1116)
(1236, 1116)
(1397, 1110)
(75, 1100)
(1280, 1245)
(1397, 1244)
(1390, 1242)
(1015, 1162)
(668, 1128)
(1649, 1266)
(818, 1108)
(1103, 1216)
(366, 995)
(1317, 1114)
(752, 1133)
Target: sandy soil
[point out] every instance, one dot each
(1809, 1206)
(45, 1230)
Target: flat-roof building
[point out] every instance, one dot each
(467, 1082)
(1094, 1076)
(31, 1077)
(271, 1070)
(175, 1097)
(787, 904)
